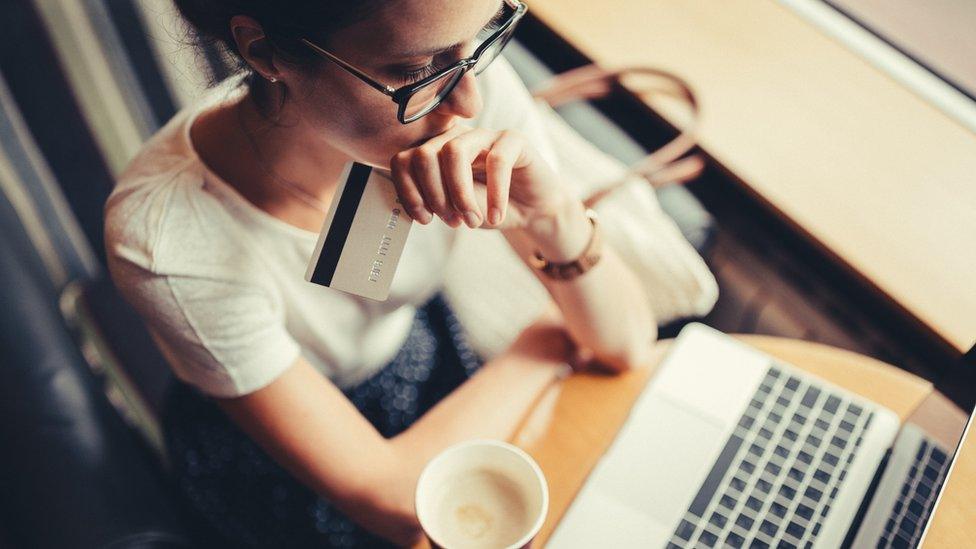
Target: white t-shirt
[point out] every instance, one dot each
(221, 284)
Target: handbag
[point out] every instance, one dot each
(669, 163)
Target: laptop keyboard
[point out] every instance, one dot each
(779, 473)
(917, 498)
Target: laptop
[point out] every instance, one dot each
(730, 447)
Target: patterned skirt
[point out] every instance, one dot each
(234, 489)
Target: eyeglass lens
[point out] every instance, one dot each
(427, 98)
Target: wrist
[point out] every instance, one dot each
(562, 234)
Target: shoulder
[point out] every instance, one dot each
(163, 213)
(162, 218)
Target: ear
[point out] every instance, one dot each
(253, 45)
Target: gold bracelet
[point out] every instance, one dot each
(571, 269)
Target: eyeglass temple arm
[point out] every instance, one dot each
(362, 75)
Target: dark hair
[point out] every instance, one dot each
(284, 23)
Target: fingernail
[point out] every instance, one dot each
(495, 215)
(452, 218)
(472, 219)
(421, 214)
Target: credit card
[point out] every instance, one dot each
(363, 236)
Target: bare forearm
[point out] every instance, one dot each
(312, 430)
(605, 309)
(491, 404)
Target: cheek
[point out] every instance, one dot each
(363, 125)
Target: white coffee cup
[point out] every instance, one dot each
(482, 494)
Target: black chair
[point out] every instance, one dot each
(74, 474)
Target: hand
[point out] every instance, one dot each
(440, 176)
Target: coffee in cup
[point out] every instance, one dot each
(482, 494)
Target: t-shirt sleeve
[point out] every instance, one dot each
(223, 336)
(176, 258)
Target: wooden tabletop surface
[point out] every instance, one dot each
(880, 179)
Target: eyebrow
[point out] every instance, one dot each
(498, 13)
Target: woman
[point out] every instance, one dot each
(304, 415)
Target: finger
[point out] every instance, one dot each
(427, 175)
(499, 162)
(410, 196)
(456, 157)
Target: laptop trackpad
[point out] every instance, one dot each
(657, 463)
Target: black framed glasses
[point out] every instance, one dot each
(419, 98)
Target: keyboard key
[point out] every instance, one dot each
(718, 520)
(810, 398)
(773, 468)
(795, 530)
(790, 434)
(685, 530)
(768, 528)
(795, 474)
(783, 544)
(915, 507)
(831, 405)
(744, 521)
(708, 539)
(821, 475)
(813, 493)
(754, 504)
(787, 492)
(728, 502)
(735, 540)
(907, 525)
(792, 383)
(758, 544)
(938, 456)
(804, 457)
(710, 484)
(856, 410)
(778, 509)
(763, 486)
(804, 511)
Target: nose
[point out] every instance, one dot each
(465, 99)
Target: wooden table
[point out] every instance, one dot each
(576, 420)
(884, 182)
